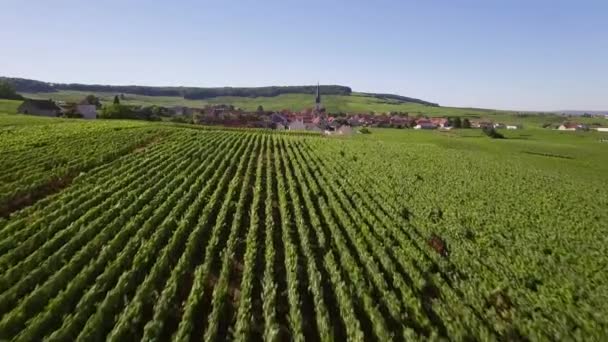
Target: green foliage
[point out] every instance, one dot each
(455, 122)
(466, 123)
(492, 133)
(93, 100)
(117, 111)
(71, 115)
(171, 231)
(180, 119)
(365, 130)
(7, 91)
(205, 93)
(116, 100)
(9, 106)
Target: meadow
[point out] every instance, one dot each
(355, 103)
(131, 230)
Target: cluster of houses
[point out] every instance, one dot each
(311, 119)
(572, 126)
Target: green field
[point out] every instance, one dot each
(131, 230)
(356, 103)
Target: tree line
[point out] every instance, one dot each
(33, 86)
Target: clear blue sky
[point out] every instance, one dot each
(508, 54)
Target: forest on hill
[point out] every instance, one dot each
(196, 93)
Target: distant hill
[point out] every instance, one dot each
(583, 112)
(198, 93)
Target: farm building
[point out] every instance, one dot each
(85, 110)
(39, 107)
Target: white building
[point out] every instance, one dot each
(344, 130)
(572, 127)
(514, 127)
(87, 111)
(297, 125)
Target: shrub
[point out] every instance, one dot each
(492, 133)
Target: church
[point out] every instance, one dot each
(318, 106)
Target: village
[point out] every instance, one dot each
(314, 119)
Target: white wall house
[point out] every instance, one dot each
(571, 127)
(297, 125)
(425, 125)
(87, 111)
(345, 130)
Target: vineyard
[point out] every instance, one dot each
(125, 232)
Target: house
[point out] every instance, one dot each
(499, 125)
(344, 130)
(440, 122)
(601, 129)
(570, 126)
(424, 124)
(88, 111)
(74, 110)
(297, 125)
(355, 121)
(278, 119)
(567, 127)
(481, 124)
(382, 120)
(312, 127)
(515, 126)
(399, 121)
(39, 107)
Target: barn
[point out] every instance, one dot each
(39, 107)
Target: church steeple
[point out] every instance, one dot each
(318, 99)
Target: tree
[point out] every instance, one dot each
(7, 91)
(492, 133)
(260, 109)
(466, 123)
(118, 111)
(457, 123)
(116, 100)
(93, 100)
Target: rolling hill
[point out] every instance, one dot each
(199, 93)
(336, 99)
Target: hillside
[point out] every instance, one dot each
(197, 93)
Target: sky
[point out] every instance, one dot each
(504, 54)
